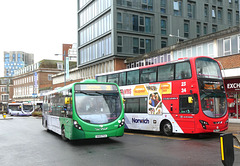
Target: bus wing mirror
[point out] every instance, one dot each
(190, 100)
(123, 100)
(67, 100)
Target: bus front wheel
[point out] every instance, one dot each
(167, 128)
(63, 134)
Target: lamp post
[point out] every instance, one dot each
(64, 62)
(178, 36)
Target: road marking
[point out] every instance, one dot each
(157, 136)
(236, 147)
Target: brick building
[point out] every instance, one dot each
(30, 82)
(6, 92)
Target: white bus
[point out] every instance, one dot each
(20, 109)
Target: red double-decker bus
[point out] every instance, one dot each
(183, 96)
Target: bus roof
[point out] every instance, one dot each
(153, 65)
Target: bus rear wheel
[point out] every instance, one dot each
(63, 134)
(167, 128)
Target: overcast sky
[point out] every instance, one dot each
(37, 26)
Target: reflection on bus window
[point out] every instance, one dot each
(133, 77)
(207, 68)
(214, 104)
(97, 108)
(148, 75)
(183, 71)
(165, 73)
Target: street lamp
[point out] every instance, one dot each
(178, 36)
(64, 62)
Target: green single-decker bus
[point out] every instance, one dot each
(83, 110)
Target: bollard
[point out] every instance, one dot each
(227, 151)
(4, 115)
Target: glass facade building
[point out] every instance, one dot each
(15, 60)
(129, 28)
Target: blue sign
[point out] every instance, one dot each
(67, 67)
(35, 79)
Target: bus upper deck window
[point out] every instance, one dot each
(183, 70)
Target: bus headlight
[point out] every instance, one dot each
(204, 123)
(76, 125)
(121, 123)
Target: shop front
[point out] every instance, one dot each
(233, 97)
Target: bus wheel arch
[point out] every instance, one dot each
(166, 127)
(63, 133)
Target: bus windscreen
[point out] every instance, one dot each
(98, 107)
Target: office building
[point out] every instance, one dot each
(15, 60)
(109, 30)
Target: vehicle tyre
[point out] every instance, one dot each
(63, 134)
(167, 128)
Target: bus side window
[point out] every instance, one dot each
(165, 73)
(122, 79)
(183, 71)
(133, 77)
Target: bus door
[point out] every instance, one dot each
(188, 107)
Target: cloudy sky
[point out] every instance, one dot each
(37, 26)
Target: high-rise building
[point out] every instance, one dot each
(115, 29)
(15, 60)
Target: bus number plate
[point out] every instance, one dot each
(101, 136)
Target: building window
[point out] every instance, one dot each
(177, 7)
(60, 66)
(239, 44)
(14, 57)
(237, 17)
(163, 6)
(220, 2)
(142, 46)
(210, 50)
(199, 51)
(205, 27)
(119, 20)
(191, 9)
(227, 46)
(214, 14)
(214, 28)
(5, 97)
(206, 12)
(6, 57)
(3, 89)
(164, 26)
(135, 45)
(163, 42)
(148, 45)
(129, 3)
(229, 16)
(147, 5)
(186, 28)
(198, 29)
(148, 24)
(189, 52)
(135, 22)
(141, 24)
(220, 15)
(49, 77)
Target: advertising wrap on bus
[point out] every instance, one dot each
(183, 96)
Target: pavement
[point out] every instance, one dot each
(234, 128)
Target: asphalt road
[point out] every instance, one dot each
(25, 142)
